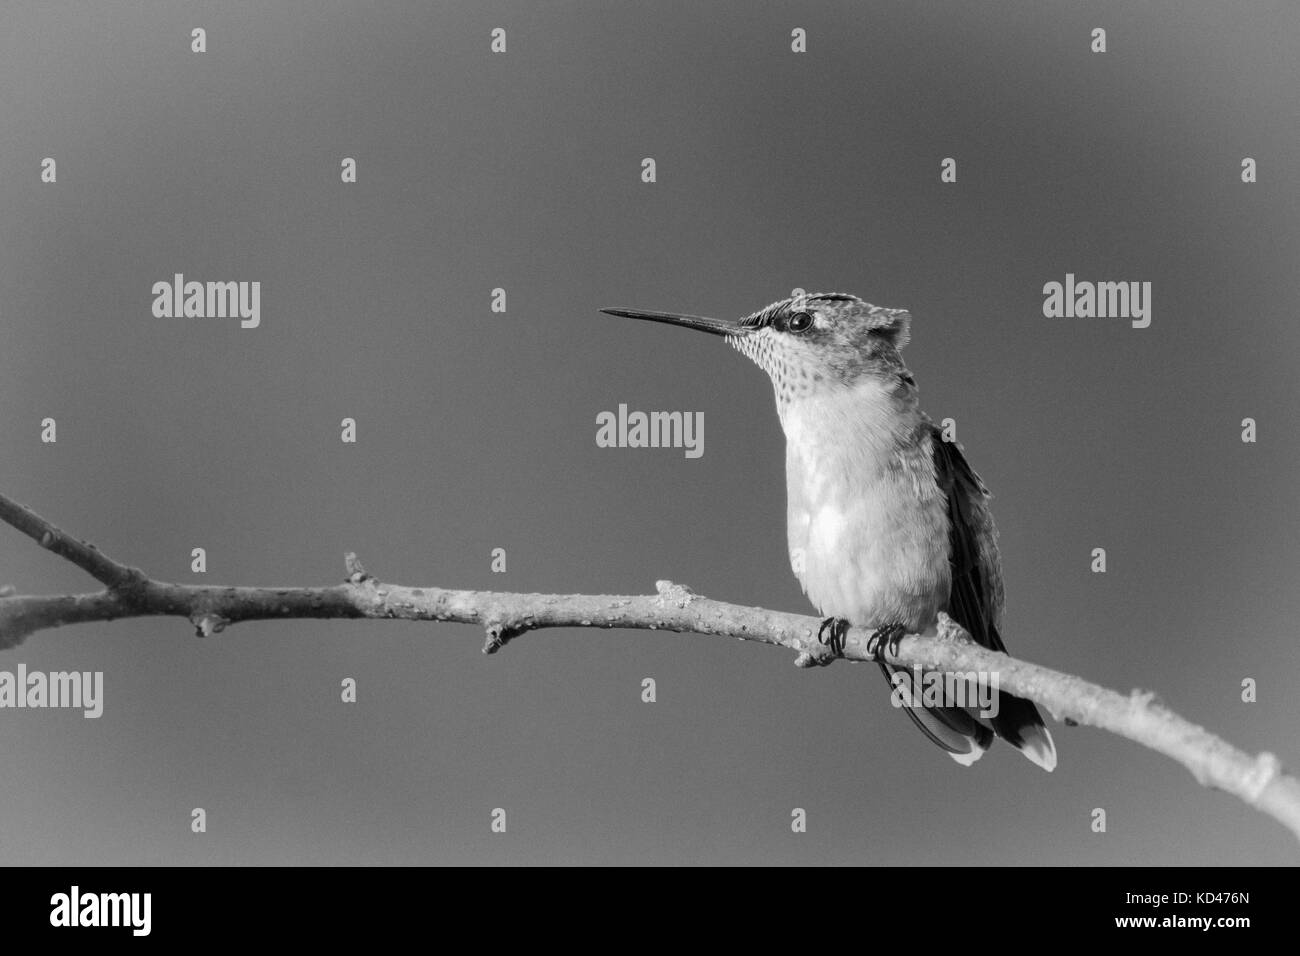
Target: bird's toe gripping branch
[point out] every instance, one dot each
(832, 633)
(886, 638)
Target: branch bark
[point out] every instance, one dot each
(1258, 780)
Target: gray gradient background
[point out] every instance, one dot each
(477, 430)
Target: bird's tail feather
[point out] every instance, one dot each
(1020, 724)
(965, 735)
(955, 730)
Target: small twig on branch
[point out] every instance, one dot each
(1259, 781)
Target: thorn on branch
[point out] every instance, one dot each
(205, 625)
(806, 659)
(1143, 699)
(678, 594)
(356, 572)
(499, 635)
(495, 639)
(949, 630)
(1266, 768)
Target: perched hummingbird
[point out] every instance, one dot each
(887, 524)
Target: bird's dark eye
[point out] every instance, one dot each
(800, 322)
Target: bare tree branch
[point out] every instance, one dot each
(1259, 781)
(85, 556)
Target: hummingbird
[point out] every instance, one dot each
(887, 524)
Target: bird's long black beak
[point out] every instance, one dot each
(703, 323)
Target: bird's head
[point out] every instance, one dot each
(809, 344)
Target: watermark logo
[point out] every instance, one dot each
(626, 429)
(208, 300)
(75, 908)
(974, 690)
(83, 690)
(1101, 300)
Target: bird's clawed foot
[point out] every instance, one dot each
(832, 633)
(886, 636)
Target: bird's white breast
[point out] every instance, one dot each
(867, 526)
